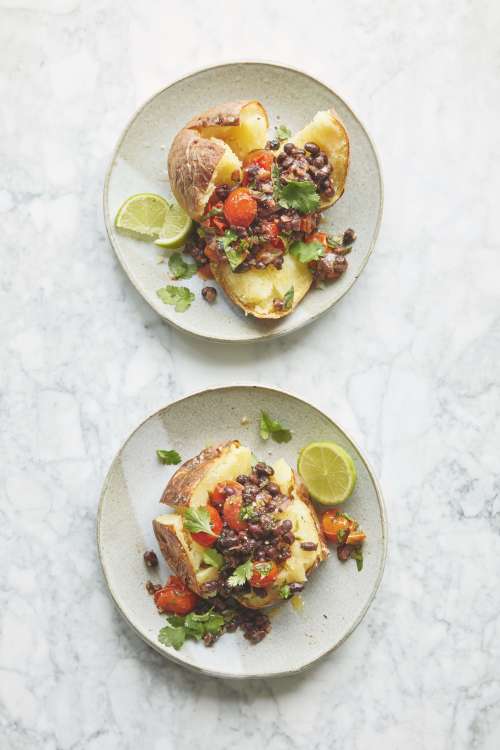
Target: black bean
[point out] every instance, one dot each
(289, 537)
(328, 191)
(272, 488)
(325, 171)
(320, 161)
(296, 588)
(309, 546)
(286, 525)
(209, 293)
(349, 237)
(262, 468)
(222, 191)
(312, 148)
(150, 558)
(273, 144)
(289, 148)
(344, 552)
(287, 163)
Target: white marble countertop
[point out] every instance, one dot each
(407, 363)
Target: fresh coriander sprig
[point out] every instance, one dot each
(272, 428)
(168, 457)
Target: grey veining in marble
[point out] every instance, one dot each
(407, 362)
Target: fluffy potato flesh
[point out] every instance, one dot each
(238, 460)
(251, 133)
(254, 291)
(329, 133)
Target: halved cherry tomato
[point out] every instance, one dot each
(264, 573)
(219, 224)
(261, 157)
(240, 208)
(336, 527)
(175, 597)
(270, 228)
(318, 237)
(207, 540)
(232, 511)
(219, 493)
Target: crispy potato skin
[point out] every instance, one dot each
(178, 491)
(175, 555)
(191, 164)
(193, 159)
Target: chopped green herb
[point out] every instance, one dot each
(270, 427)
(282, 132)
(235, 254)
(241, 574)
(306, 251)
(170, 636)
(263, 568)
(213, 558)
(178, 267)
(288, 298)
(227, 239)
(302, 196)
(213, 212)
(341, 535)
(168, 457)
(285, 592)
(357, 554)
(180, 296)
(334, 240)
(247, 513)
(196, 520)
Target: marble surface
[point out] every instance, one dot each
(407, 363)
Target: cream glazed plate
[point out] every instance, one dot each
(139, 165)
(336, 597)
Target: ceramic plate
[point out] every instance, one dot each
(139, 166)
(336, 597)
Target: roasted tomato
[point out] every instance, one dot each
(223, 490)
(318, 237)
(336, 526)
(175, 597)
(261, 157)
(207, 540)
(264, 573)
(240, 208)
(232, 512)
(271, 231)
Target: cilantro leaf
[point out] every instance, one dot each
(178, 267)
(282, 132)
(180, 296)
(288, 298)
(302, 196)
(214, 623)
(235, 255)
(170, 636)
(334, 240)
(247, 513)
(196, 520)
(168, 457)
(241, 574)
(213, 212)
(270, 427)
(193, 627)
(263, 568)
(177, 621)
(305, 252)
(213, 558)
(285, 592)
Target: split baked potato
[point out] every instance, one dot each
(190, 487)
(210, 151)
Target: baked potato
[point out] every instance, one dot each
(214, 154)
(191, 487)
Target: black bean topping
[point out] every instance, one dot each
(272, 488)
(349, 237)
(319, 161)
(222, 191)
(344, 552)
(262, 468)
(150, 558)
(296, 588)
(289, 537)
(309, 546)
(273, 144)
(289, 148)
(209, 293)
(312, 148)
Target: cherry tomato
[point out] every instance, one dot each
(232, 510)
(219, 493)
(240, 208)
(264, 573)
(270, 229)
(207, 540)
(318, 237)
(261, 157)
(219, 224)
(175, 597)
(334, 524)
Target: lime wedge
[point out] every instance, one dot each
(175, 229)
(142, 216)
(328, 472)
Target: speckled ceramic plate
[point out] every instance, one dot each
(139, 165)
(336, 597)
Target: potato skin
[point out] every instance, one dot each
(192, 162)
(175, 555)
(178, 491)
(193, 159)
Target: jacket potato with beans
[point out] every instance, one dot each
(255, 199)
(239, 528)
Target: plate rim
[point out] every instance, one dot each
(115, 245)
(383, 517)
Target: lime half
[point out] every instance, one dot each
(175, 229)
(142, 216)
(328, 472)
